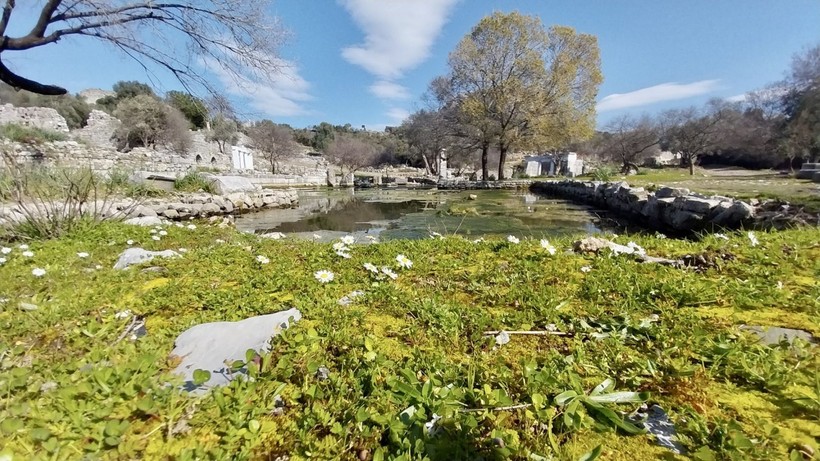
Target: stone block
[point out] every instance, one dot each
(696, 204)
(666, 192)
(224, 185)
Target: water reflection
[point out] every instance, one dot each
(413, 214)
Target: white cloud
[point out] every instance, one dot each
(664, 92)
(279, 95)
(737, 98)
(398, 35)
(397, 114)
(389, 90)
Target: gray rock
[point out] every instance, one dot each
(773, 335)
(685, 220)
(666, 192)
(170, 214)
(224, 185)
(133, 256)
(210, 346)
(145, 221)
(141, 211)
(228, 206)
(735, 214)
(211, 208)
(696, 204)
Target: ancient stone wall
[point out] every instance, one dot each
(35, 117)
(675, 209)
(98, 130)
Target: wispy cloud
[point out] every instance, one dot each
(737, 98)
(279, 95)
(397, 114)
(398, 36)
(389, 90)
(659, 93)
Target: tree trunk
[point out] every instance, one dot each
(485, 152)
(691, 166)
(427, 165)
(502, 159)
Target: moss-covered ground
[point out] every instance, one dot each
(72, 388)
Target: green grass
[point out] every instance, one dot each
(29, 135)
(414, 342)
(743, 184)
(193, 182)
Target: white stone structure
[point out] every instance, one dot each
(242, 158)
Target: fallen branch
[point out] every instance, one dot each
(646, 259)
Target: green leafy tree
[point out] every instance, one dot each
(526, 86)
(148, 122)
(192, 108)
(224, 132)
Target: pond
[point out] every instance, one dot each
(416, 213)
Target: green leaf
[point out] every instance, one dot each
(378, 454)
(201, 377)
(40, 434)
(254, 426)
(564, 397)
(538, 401)
(592, 455)
(362, 415)
(11, 425)
(620, 397)
(606, 384)
(614, 420)
(704, 454)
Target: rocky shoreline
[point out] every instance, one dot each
(677, 209)
(177, 207)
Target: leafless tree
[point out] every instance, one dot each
(351, 153)
(630, 139)
(691, 132)
(274, 141)
(236, 37)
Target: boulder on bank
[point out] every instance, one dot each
(211, 346)
(134, 256)
(224, 185)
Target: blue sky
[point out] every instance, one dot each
(367, 62)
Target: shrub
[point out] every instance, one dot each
(56, 201)
(603, 173)
(193, 182)
(147, 122)
(29, 135)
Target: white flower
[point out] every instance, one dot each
(545, 244)
(130, 242)
(275, 235)
(28, 254)
(721, 236)
(123, 314)
(3, 260)
(779, 285)
(37, 272)
(752, 238)
(389, 272)
(163, 233)
(82, 254)
(98, 267)
(436, 235)
(348, 298)
(404, 262)
(478, 240)
(191, 226)
(658, 235)
(179, 225)
(551, 327)
(348, 240)
(23, 247)
(586, 269)
(219, 241)
(323, 276)
(5, 250)
(156, 237)
(183, 250)
(430, 426)
(502, 338)
(513, 239)
(371, 267)
(153, 231)
(343, 254)
(339, 246)
(316, 236)
(262, 259)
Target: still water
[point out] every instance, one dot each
(416, 213)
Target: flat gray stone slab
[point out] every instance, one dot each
(224, 185)
(133, 256)
(773, 335)
(213, 347)
(656, 422)
(145, 221)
